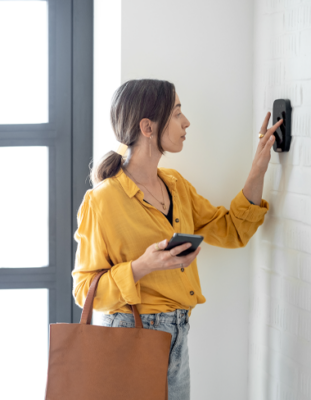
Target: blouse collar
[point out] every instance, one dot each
(131, 188)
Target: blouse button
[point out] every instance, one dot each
(176, 220)
(191, 292)
(182, 269)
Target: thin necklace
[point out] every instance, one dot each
(163, 205)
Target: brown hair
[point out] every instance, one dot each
(131, 102)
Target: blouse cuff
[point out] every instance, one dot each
(122, 274)
(242, 208)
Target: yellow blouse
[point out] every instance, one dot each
(115, 226)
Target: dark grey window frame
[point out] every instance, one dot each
(69, 136)
(83, 56)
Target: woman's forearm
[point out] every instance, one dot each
(253, 187)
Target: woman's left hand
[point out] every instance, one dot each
(263, 152)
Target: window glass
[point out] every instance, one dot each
(24, 212)
(24, 62)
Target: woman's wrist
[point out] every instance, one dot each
(138, 270)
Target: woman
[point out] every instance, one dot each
(133, 210)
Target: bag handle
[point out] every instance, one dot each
(87, 311)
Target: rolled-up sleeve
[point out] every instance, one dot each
(116, 287)
(226, 228)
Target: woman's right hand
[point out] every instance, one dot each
(157, 260)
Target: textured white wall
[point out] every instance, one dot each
(280, 318)
(205, 48)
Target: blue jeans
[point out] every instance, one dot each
(175, 322)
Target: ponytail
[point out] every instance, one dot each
(108, 165)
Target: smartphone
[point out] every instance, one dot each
(180, 238)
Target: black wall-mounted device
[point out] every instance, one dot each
(282, 109)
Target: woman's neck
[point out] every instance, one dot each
(142, 168)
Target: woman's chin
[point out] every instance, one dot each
(179, 150)
(175, 149)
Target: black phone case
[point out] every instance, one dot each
(181, 238)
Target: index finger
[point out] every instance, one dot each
(275, 126)
(271, 131)
(180, 248)
(187, 258)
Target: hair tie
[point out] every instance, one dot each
(120, 148)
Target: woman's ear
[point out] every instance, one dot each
(146, 127)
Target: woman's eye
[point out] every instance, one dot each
(178, 114)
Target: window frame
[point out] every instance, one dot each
(69, 137)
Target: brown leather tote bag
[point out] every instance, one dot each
(91, 362)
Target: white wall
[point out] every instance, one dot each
(280, 317)
(107, 72)
(206, 48)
